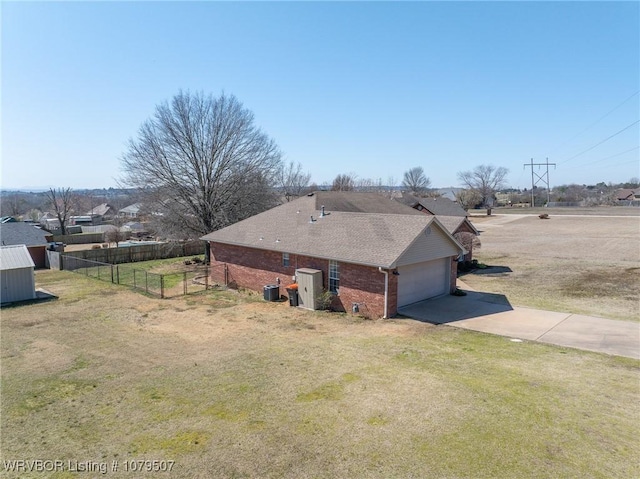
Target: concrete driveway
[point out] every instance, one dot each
(492, 313)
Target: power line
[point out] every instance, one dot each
(612, 156)
(597, 121)
(600, 143)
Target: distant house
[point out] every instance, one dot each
(628, 197)
(131, 211)
(34, 238)
(85, 220)
(17, 281)
(450, 214)
(104, 211)
(374, 254)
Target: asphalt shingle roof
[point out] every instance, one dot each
(22, 233)
(358, 202)
(438, 206)
(377, 239)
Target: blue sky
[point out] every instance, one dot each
(360, 87)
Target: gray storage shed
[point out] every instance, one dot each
(17, 280)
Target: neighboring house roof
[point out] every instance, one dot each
(23, 233)
(133, 209)
(626, 194)
(438, 206)
(452, 223)
(378, 239)
(8, 219)
(101, 210)
(15, 257)
(357, 202)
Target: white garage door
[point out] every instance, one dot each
(421, 281)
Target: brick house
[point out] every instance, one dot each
(34, 238)
(450, 214)
(377, 260)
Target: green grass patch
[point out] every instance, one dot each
(183, 442)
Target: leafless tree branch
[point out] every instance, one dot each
(202, 163)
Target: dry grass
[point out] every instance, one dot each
(228, 386)
(577, 264)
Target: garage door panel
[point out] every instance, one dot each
(421, 281)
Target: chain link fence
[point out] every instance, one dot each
(163, 285)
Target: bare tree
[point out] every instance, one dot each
(15, 204)
(485, 179)
(368, 185)
(62, 201)
(416, 182)
(115, 234)
(202, 163)
(292, 181)
(468, 198)
(344, 182)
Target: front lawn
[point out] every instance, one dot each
(227, 386)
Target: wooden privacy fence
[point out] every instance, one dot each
(163, 285)
(144, 252)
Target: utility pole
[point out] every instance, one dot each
(537, 178)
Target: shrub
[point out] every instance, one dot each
(325, 299)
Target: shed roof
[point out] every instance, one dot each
(22, 233)
(15, 257)
(377, 239)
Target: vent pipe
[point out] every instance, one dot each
(322, 215)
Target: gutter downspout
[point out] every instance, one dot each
(386, 291)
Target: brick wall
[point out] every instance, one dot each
(38, 255)
(453, 275)
(465, 228)
(253, 269)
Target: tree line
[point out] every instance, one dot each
(200, 163)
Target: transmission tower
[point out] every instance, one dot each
(539, 178)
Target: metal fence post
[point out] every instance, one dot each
(118, 273)
(162, 286)
(184, 278)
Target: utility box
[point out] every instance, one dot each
(309, 287)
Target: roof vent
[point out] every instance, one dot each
(322, 215)
(312, 220)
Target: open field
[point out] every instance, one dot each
(227, 385)
(576, 264)
(579, 211)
